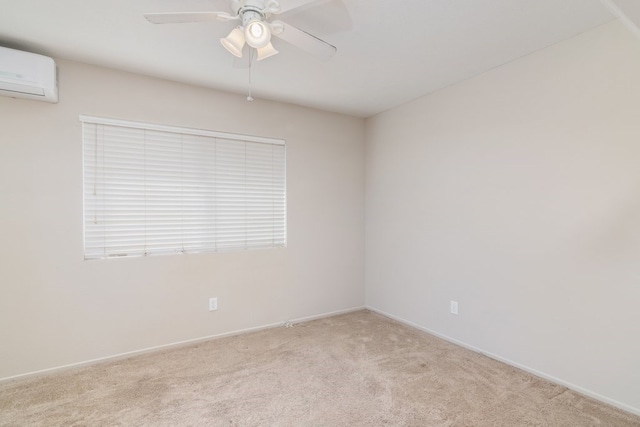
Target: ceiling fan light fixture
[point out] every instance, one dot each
(266, 52)
(234, 42)
(257, 33)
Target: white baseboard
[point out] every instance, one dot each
(121, 356)
(574, 387)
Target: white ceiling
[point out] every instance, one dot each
(389, 51)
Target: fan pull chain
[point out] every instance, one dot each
(250, 98)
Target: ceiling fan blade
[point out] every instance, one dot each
(325, 18)
(287, 5)
(303, 40)
(184, 17)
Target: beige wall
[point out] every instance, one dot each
(517, 194)
(56, 309)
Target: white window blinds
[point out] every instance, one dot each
(152, 189)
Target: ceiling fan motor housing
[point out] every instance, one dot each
(265, 7)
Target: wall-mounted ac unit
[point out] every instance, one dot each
(27, 75)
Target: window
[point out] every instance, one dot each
(152, 189)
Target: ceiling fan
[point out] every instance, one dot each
(255, 27)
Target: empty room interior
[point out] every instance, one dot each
(320, 212)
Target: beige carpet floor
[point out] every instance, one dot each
(358, 369)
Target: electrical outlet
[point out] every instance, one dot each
(454, 307)
(213, 304)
